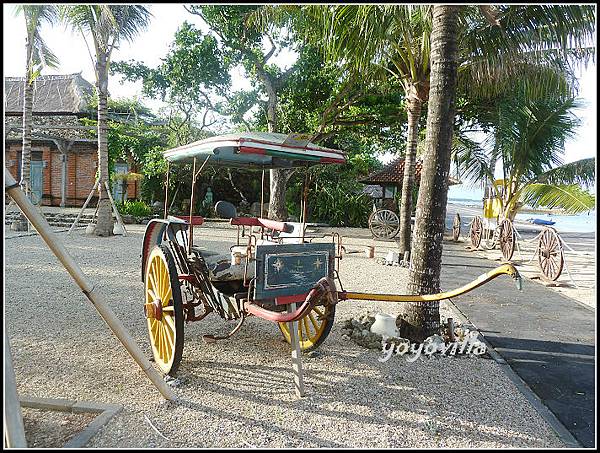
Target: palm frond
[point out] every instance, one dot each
(108, 24)
(531, 135)
(552, 37)
(582, 172)
(472, 161)
(35, 16)
(571, 198)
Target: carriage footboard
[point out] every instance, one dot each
(323, 288)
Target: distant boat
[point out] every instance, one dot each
(541, 222)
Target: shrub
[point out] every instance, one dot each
(134, 208)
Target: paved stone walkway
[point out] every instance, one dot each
(547, 339)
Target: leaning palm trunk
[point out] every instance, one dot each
(414, 112)
(104, 226)
(426, 260)
(27, 127)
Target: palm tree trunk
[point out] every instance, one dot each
(104, 226)
(414, 112)
(426, 260)
(27, 125)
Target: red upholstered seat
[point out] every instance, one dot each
(196, 219)
(265, 223)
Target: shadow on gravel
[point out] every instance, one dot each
(400, 403)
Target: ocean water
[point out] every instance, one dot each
(579, 223)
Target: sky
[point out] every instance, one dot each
(153, 44)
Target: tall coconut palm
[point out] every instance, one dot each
(426, 260)
(396, 39)
(527, 143)
(38, 56)
(108, 25)
(507, 41)
(533, 42)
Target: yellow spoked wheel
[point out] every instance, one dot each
(164, 309)
(312, 328)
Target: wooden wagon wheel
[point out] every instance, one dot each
(507, 239)
(312, 328)
(550, 254)
(384, 223)
(164, 309)
(456, 227)
(476, 231)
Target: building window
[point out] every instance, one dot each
(389, 191)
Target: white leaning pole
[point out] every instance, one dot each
(41, 225)
(14, 430)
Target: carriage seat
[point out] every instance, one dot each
(220, 267)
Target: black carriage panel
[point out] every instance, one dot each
(291, 269)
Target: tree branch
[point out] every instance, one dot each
(270, 52)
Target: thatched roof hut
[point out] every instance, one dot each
(68, 94)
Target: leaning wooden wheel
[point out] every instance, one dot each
(507, 239)
(550, 254)
(312, 328)
(164, 309)
(476, 232)
(384, 223)
(456, 227)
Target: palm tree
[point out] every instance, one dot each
(533, 42)
(527, 142)
(426, 260)
(396, 39)
(108, 25)
(38, 57)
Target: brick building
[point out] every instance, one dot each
(64, 153)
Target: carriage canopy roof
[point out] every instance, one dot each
(256, 149)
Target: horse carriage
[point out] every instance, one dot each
(274, 271)
(495, 229)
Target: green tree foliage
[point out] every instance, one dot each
(528, 143)
(193, 71)
(361, 129)
(135, 134)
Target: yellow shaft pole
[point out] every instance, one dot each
(507, 269)
(97, 299)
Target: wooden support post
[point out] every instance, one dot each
(97, 299)
(63, 182)
(451, 329)
(262, 193)
(296, 355)
(167, 192)
(116, 211)
(14, 431)
(84, 206)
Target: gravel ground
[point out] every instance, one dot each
(238, 393)
(52, 429)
